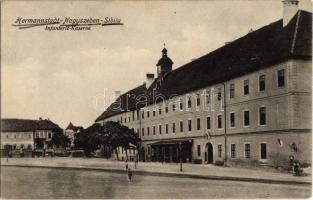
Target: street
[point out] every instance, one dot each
(24, 182)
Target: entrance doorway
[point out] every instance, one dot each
(210, 153)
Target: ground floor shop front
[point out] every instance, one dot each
(270, 148)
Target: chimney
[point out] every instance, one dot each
(117, 94)
(149, 80)
(291, 7)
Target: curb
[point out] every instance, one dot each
(167, 174)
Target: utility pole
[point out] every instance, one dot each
(225, 133)
(180, 158)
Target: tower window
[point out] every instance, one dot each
(174, 128)
(166, 109)
(153, 130)
(148, 131)
(160, 129)
(166, 128)
(143, 132)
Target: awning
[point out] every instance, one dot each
(171, 142)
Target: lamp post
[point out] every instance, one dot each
(180, 158)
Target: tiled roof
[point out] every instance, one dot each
(74, 128)
(19, 125)
(124, 103)
(257, 50)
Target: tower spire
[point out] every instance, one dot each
(165, 63)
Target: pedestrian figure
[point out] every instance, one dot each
(129, 173)
(296, 168)
(136, 161)
(126, 166)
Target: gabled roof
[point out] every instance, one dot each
(124, 103)
(257, 50)
(20, 125)
(74, 128)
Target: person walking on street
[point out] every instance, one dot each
(126, 166)
(129, 173)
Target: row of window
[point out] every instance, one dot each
(233, 152)
(43, 135)
(29, 135)
(20, 136)
(246, 122)
(130, 151)
(262, 84)
(21, 146)
(246, 91)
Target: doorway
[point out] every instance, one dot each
(210, 153)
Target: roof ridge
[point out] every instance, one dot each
(295, 33)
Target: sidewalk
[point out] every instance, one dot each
(159, 169)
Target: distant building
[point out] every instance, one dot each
(248, 101)
(22, 133)
(71, 130)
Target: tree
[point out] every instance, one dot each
(39, 143)
(59, 140)
(110, 136)
(87, 139)
(118, 135)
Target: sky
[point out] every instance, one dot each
(71, 76)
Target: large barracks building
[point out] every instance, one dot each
(248, 101)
